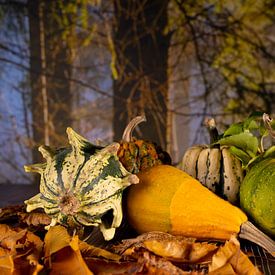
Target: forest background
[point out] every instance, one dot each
(93, 65)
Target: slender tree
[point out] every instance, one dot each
(51, 56)
(39, 104)
(141, 52)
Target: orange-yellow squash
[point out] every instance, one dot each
(169, 200)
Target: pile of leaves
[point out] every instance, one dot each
(27, 248)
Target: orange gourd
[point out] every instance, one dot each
(169, 200)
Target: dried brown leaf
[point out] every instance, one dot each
(231, 254)
(242, 265)
(12, 239)
(20, 251)
(102, 266)
(202, 252)
(6, 262)
(226, 269)
(150, 236)
(158, 265)
(9, 212)
(174, 250)
(88, 250)
(34, 219)
(62, 253)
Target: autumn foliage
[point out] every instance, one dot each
(25, 248)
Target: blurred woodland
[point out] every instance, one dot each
(93, 65)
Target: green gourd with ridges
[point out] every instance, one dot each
(257, 195)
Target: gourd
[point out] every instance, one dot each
(169, 200)
(257, 195)
(81, 185)
(137, 154)
(215, 167)
(257, 192)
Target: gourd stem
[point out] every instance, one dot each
(267, 122)
(212, 129)
(127, 134)
(253, 234)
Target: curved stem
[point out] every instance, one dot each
(268, 121)
(212, 129)
(253, 234)
(127, 134)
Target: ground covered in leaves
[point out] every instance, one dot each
(27, 248)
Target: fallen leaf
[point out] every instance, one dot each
(242, 265)
(150, 236)
(62, 253)
(12, 239)
(6, 263)
(20, 251)
(226, 269)
(174, 250)
(9, 213)
(88, 250)
(231, 254)
(34, 219)
(158, 265)
(102, 266)
(56, 238)
(202, 252)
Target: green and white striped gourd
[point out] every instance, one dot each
(81, 184)
(216, 168)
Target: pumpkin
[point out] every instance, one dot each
(82, 185)
(257, 195)
(214, 167)
(169, 200)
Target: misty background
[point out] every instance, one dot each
(94, 65)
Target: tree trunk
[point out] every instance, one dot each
(141, 49)
(51, 69)
(59, 58)
(39, 104)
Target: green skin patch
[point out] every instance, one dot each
(79, 185)
(257, 195)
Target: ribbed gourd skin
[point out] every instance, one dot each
(168, 199)
(81, 184)
(215, 168)
(257, 195)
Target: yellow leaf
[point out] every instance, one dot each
(56, 238)
(10, 239)
(231, 254)
(62, 253)
(20, 251)
(6, 262)
(242, 265)
(224, 254)
(202, 252)
(169, 249)
(185, 251)
(226, 269)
